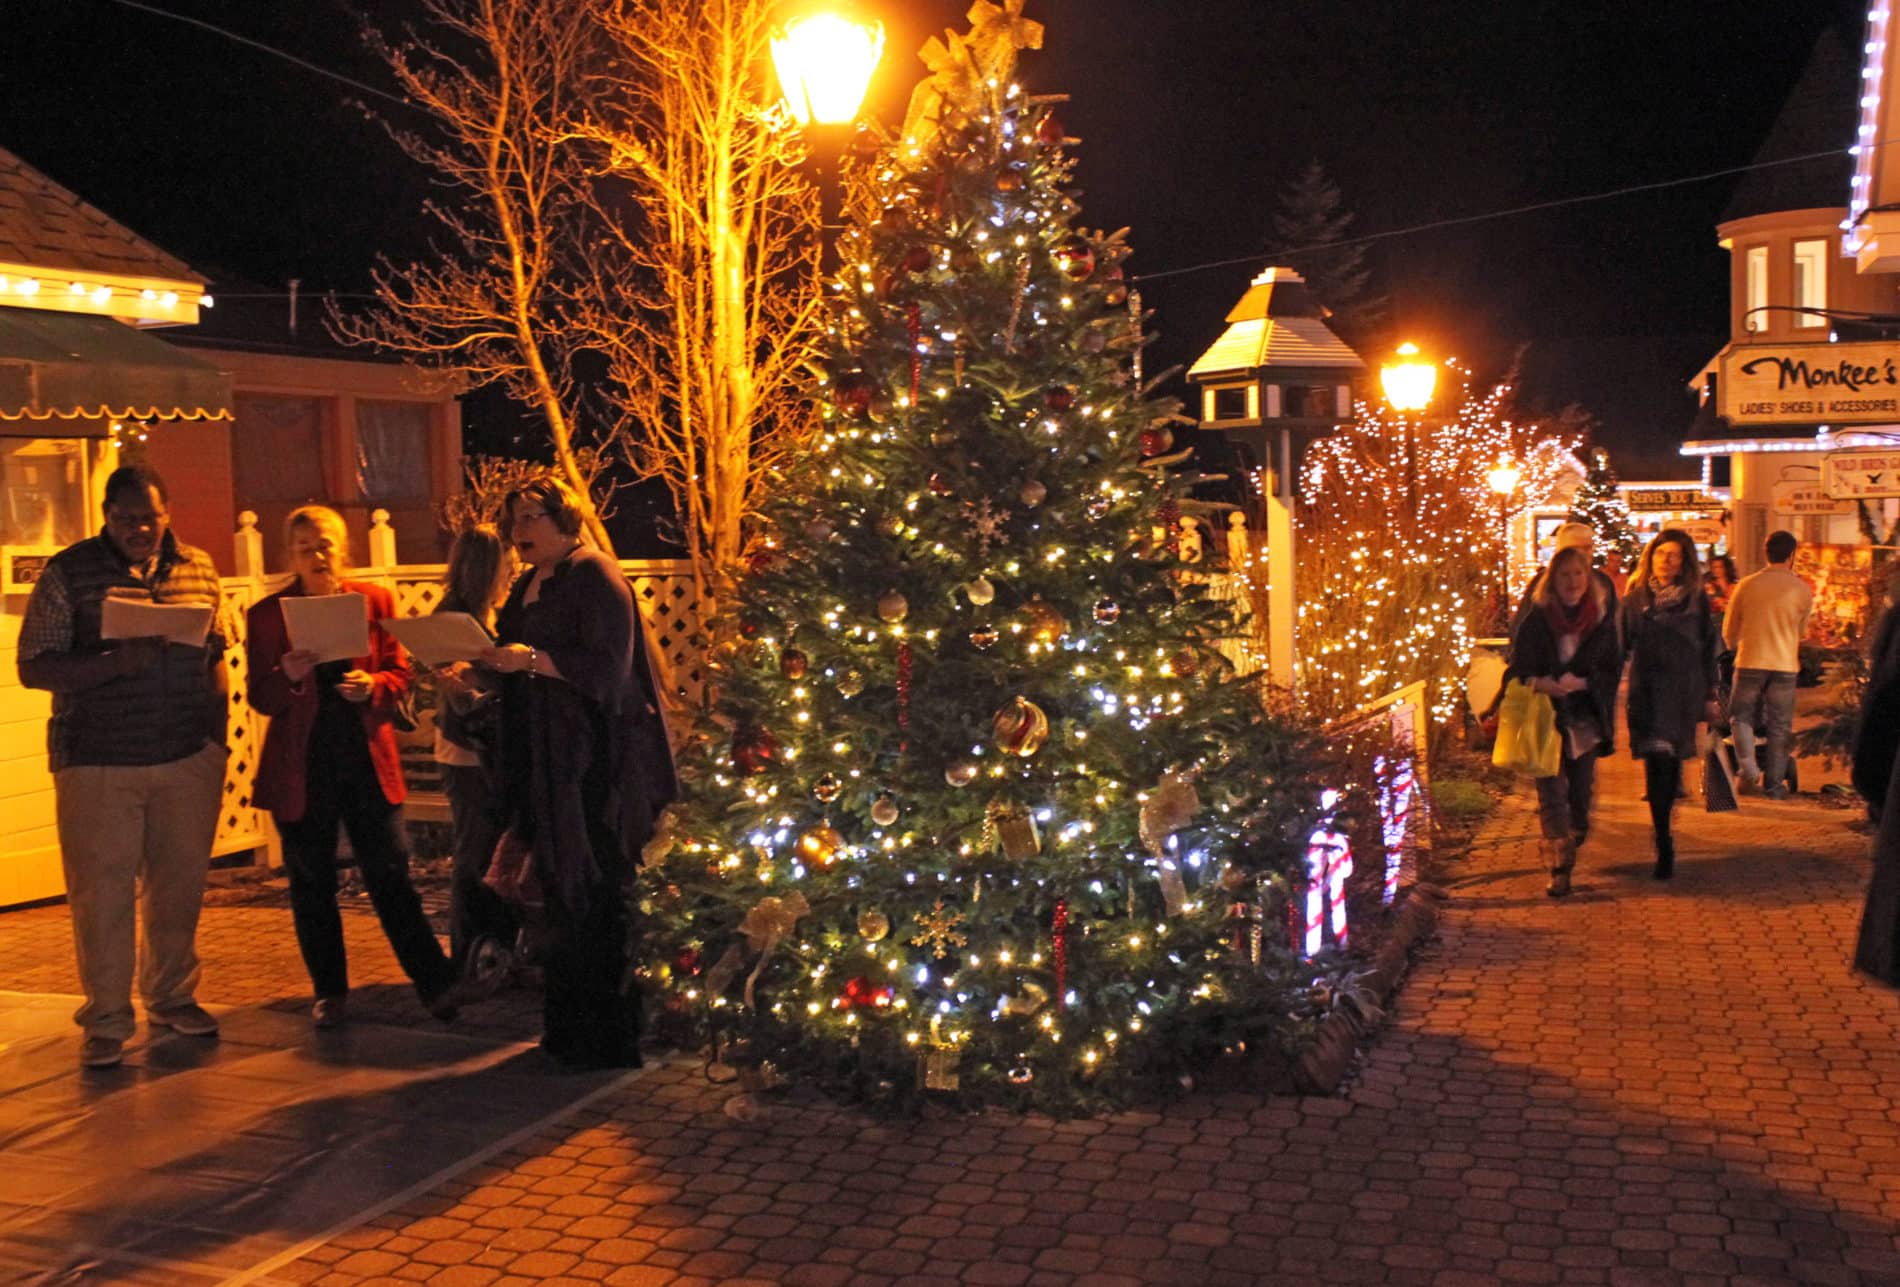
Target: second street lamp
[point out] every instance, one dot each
(1410, 381)
(1504, 478)
(824, 63)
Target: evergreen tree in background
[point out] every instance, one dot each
(1312, 213)
(1598, 503)
(983, 807)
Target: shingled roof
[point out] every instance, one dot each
(46, 226)
(1816, 121)
(1276, 323)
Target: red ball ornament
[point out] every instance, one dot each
(1020, 728)
(1155, 440)
(754, 750)
(687, 961)
(862, 994)
(1184, 663)
(915, 260)
(939, 486)
(1058, 397)
(1050, 130)
(1076, 259)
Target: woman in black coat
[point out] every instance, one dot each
(584, 764)
(1673, 644)
(1875, 763)
(1567, 647)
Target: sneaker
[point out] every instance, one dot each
(186, 1020)
(101, 1052)
(1748, 784)
(489, 964)
(1776, 792)
(327, 1012)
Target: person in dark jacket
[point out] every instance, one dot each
(1568, 648)
(330, 759)
(467, 715)
(1877, 952)
(136, 746)
(585, 767)
(1673, 643)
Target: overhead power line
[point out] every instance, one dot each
(272, 50)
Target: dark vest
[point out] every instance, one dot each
(166, 713)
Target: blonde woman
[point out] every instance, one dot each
(1566, 647)
(330, 760)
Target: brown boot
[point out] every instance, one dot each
(1561, 856)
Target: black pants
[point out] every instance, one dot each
(382, 856)
(590, 1014)
(477, 819)
(1662, 775)
(1563, 800)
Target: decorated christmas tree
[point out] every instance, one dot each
(1598, 503)
(982, 807)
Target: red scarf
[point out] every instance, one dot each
(1578, 621)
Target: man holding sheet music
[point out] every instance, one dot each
(126, 630)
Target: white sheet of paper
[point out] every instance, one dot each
(185, 623)
(441, 638)
(334, 626)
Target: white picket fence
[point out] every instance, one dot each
(670, 609)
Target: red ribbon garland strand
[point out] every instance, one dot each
(1061, 933)
(914, 318)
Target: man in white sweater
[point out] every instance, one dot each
(1767, 615)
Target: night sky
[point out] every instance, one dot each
(1193, 113)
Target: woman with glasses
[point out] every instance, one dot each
(583, 764)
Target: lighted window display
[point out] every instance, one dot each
(1810, 281)
(1230, 404)
(43, 505)
(1757, 261)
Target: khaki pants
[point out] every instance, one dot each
(129, 835)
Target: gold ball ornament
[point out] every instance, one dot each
(1045, 621)
(960, 773)
(819, 846)
(893, 607)
(850, 684)
(980, 592)
(983, 638)
(1020, 728)
(873, 926)
(884, 811)
(1033, 493)
(827, 788)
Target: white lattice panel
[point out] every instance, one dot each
(240, 826)
(675, 620)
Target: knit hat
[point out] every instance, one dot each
(1580, 535)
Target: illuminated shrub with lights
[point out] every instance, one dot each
(982, 809)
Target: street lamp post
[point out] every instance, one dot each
(1504, 478)
(824, 62)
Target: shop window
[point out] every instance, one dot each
(43, 493)
(392, 450)
(1756, 267)
(1721, 472)
(1810, 281)
(277, 450)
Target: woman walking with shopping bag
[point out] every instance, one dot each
(1673, 644)
(1567, 648)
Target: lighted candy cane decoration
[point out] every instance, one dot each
(1397, 793)
(1328, 864)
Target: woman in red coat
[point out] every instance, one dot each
(330, 758)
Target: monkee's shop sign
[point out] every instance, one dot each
(1832, 384)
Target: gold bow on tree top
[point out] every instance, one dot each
(960, 66)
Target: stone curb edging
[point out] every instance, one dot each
(1321, 1069)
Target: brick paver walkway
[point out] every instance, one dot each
(1647, 1083)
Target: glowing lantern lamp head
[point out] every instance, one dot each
(1503, 477)
(1409, 382)
(824, 65)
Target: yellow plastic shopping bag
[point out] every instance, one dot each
(1528, 740)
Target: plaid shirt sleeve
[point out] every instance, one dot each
(48, 624)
